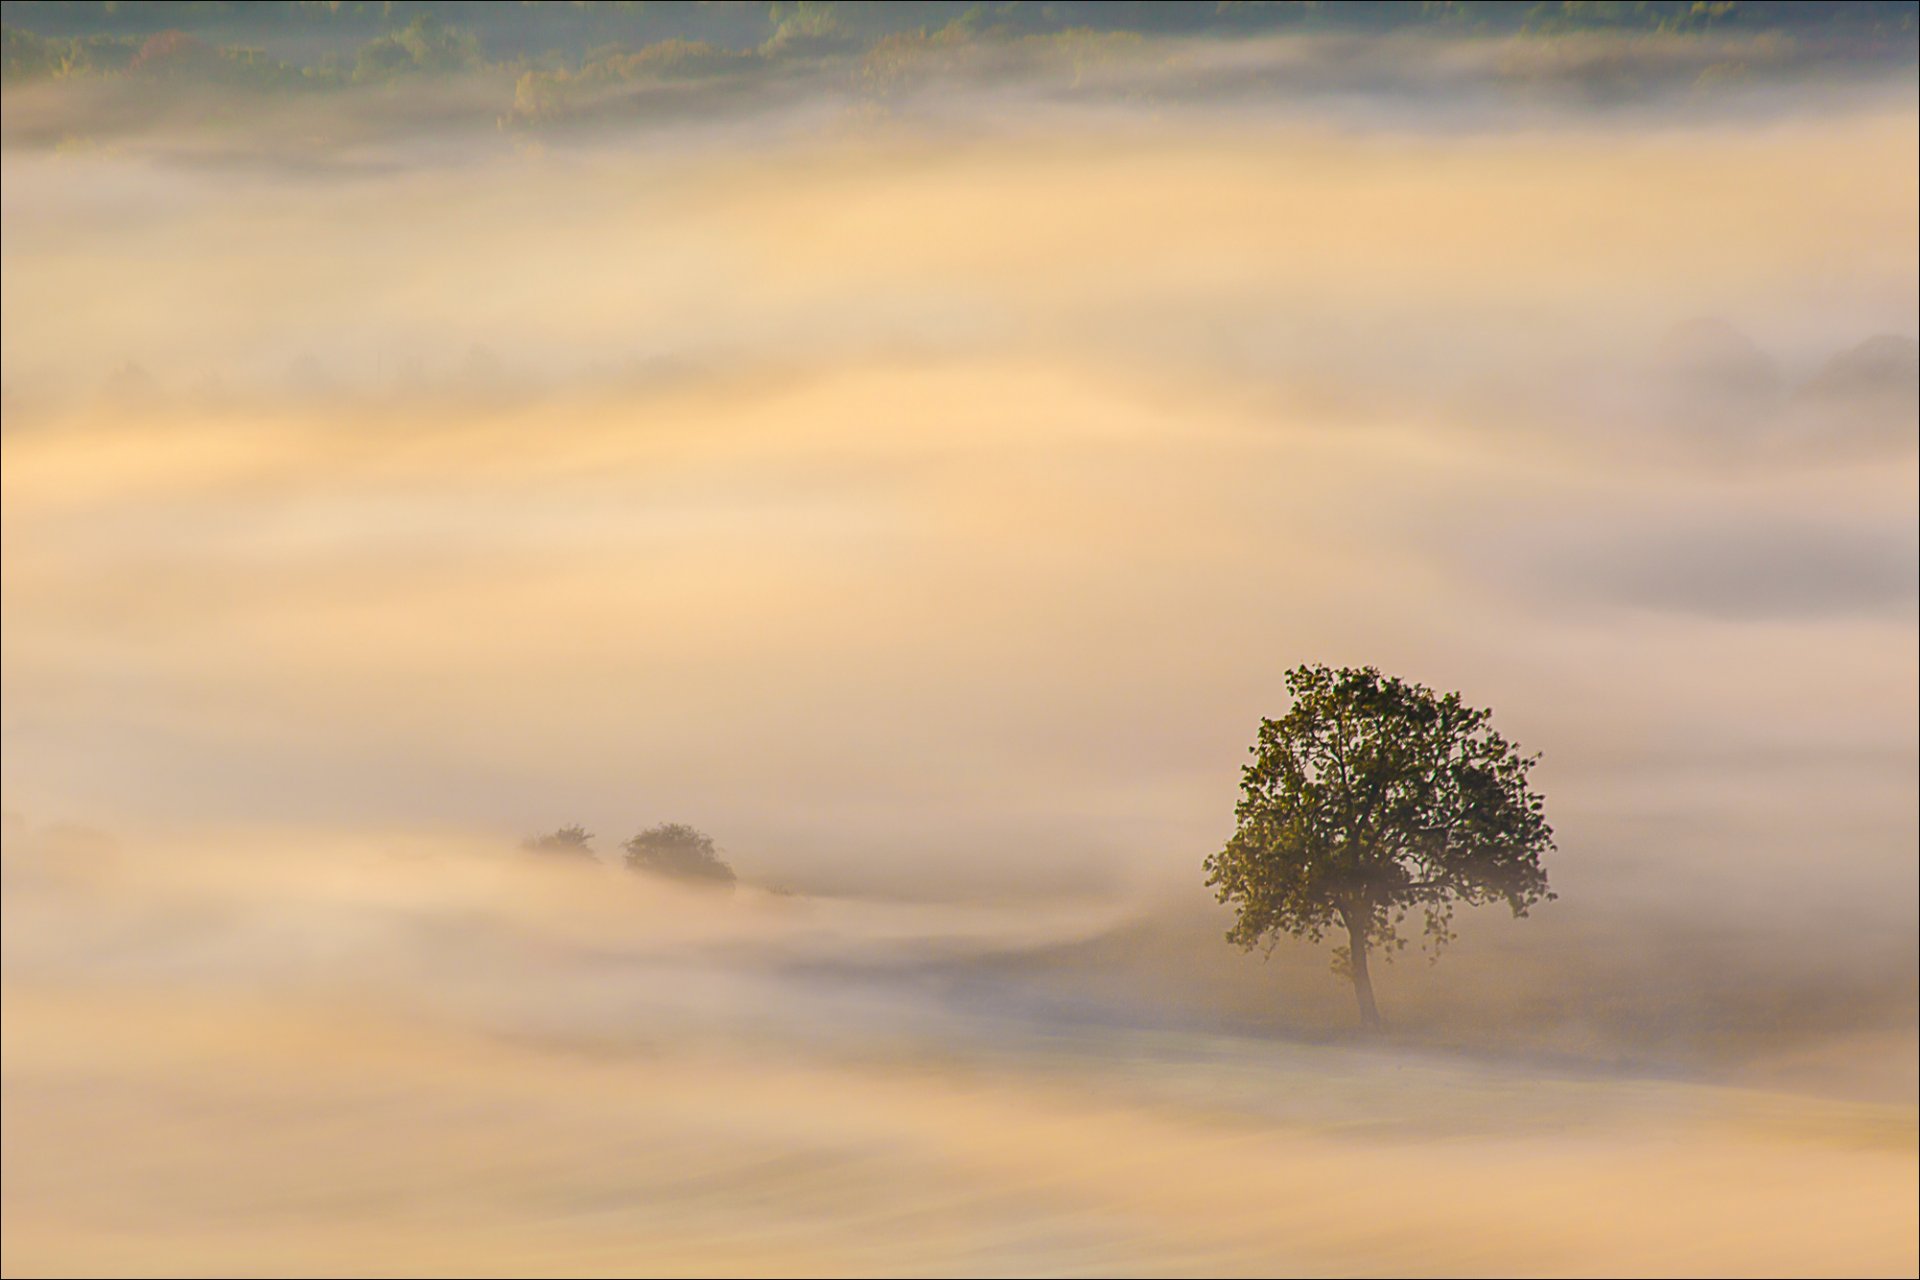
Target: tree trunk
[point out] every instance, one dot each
(1357, 922)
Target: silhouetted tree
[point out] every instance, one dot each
(680, 852)
(1369, 797)
(574, 841)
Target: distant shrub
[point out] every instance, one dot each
(568, 842)
(678, 852)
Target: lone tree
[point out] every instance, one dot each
(1370, 797)
(569, 842)
(680, 852)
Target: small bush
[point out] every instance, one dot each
(679, 852)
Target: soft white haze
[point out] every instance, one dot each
(928, 506)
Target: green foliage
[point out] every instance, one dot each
(904, 58)
(424, 45)
(26, 56)
(166, 57)
(1372, 797)
(666, 59)
(679, 852)
(546, 95)
(174, 57)
(568, 842)
(1627, 15)
(807, 29)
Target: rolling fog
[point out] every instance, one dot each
(927, 505)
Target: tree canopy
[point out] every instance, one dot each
(574, 841)
(1371, 797)
(679, 852)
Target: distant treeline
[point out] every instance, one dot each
(541, 67)
(672, 850)
(322, 44)
(307, 30)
